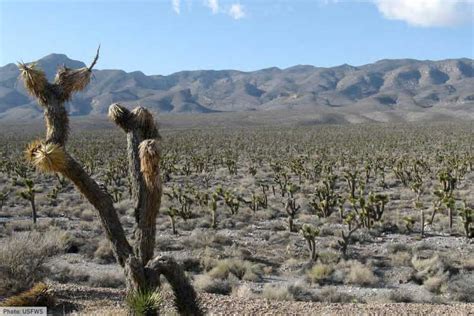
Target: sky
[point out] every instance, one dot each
(166, 36)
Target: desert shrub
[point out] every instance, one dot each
(401, 258)
(277, 292)
(243, 270)
(332, 295)
(329, 257)
(320, 273)
(87, 215)
(18, 226)
(242, 291)
(191, 264)
(207, 284)
(432, 272)
(468, 264)
(23, 257)
(436, 283)
(104, 253)
(398, 247)
(198, 239)
(360, 274)
(106, 279)
(63, 273)
(299, 292)
(401, 296)
(461, 288)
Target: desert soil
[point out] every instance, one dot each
(106, 301)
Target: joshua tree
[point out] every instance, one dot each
(142, 271)
(291, 207)
(467, 219)
(3, 199)
(172, 213)
(29, 195)
(212, 203)
(310, 233)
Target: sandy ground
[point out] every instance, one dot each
(101, 301)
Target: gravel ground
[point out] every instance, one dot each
(101, 301)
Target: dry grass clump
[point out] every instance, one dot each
(63, 273)
(432, 272)
(320, 273)
(106, 279)
(23, 257)
(205, 283)
(361, 275)
(332, 295)
(87, 215)
(104, 253)
(38, 295)
(401, 296)
(46, 157)
(436, 284)
(461, 288)
(355, 273)
(243, 291)
(277, 292)
(402, 258)
(241, 269)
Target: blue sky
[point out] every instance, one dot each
(165, 36)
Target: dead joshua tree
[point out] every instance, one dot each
(142, 271)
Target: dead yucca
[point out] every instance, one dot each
(119, 114)
(143, 118)
(45, 156)
(35, 81)
(72, 80)
(38, 295)
(149, 151)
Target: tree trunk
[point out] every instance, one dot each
(290, 223)
(173, 225)
(141, 273)
(450, 213)
(214, 220)
(422, 223)
(33, 209)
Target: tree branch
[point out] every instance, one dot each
(144, 157)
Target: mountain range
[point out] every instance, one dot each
(386, 86)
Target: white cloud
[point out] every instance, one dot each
(213, 5)
(176, 6)
(427, 13)
(236, 11)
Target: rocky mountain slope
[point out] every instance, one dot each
(386, 86)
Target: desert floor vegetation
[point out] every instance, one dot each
(329, 214)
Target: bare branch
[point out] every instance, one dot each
(95, 59)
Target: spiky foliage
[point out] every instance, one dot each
(144, 302)
(143, 118)
(120, 115)
(35, 81)
(38, 295)
(72, 80)
(46, 157)
(149, 151)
